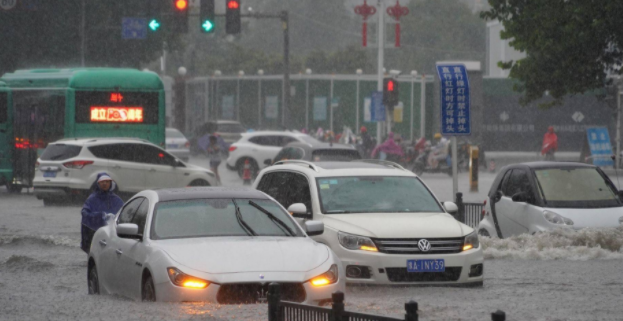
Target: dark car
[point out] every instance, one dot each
(316, 152)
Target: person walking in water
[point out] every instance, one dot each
(99, 207)
(550, 144)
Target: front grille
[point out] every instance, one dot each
(401, 275)
(244, 293)
(410, 246)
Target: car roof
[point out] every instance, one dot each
(223, 121)
(174, 194)
(100, 140)
(543, 164)
(319, 145)
(352, 168)
(271, 133)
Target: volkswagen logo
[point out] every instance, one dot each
(424, 245)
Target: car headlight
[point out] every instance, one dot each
(326, 278)
(471, 241)
(186, 281)
(556, 218)
(356, 242)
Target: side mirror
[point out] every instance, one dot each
(299, 210)
(450, 207)
(523, 197)
(314, 228)
(497, 196)
(268, 162)
(128, 231)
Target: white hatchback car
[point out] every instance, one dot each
(222, 245)
(259, 146)
(68, 167)
(380, 219)
(177, 144)
(541, 196)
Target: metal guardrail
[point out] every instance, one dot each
(289, 311)
(469, 213)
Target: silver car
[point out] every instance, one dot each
(177, 144)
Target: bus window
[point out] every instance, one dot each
(117, 107)
(4, 102)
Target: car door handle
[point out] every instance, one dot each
(118, 251)
(103, 243)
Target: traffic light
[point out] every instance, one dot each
(390, 92)
(154, 16)
(232, 16)
(206, 16)
(179, 15)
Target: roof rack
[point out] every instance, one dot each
(297, 162)
(380, 162)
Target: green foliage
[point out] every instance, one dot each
(571, 45)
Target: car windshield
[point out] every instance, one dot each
(378, 194)
(576, 187)
(60, 152)
(217, 217)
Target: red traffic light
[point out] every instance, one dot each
(181, 4)
(390, 85)
(233, 4)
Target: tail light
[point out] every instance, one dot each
(232, 148)
(187, 145)
(484, 204)
(77, 164)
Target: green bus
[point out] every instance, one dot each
(45, 105)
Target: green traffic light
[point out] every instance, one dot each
(207, 26)
(154, 25)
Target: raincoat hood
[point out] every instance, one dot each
(389, 147)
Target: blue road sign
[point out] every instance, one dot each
(377, 109)
(134, 28)
(599, 143)
(455, 100)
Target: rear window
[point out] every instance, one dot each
(174, 133)
(60, 152)
(339, 155)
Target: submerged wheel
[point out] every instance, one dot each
(199, 182)
(93, 280)
(148, 294)
(483, 232)
(14, 188)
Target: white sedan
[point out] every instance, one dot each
(221, 245)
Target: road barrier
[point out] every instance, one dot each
(469, 213)
(289, 311)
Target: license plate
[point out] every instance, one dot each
(171, 145)
(49, 174)
(437, 265)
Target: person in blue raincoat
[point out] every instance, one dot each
(95, 212)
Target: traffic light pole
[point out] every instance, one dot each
(381, 53)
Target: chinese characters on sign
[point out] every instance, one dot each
(117, 114)
(455, 100)
(599, 143)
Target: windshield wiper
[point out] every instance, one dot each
(273, 218)
(242, 223)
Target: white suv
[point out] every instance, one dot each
(259, 146)
(67, 168)
(380, 219)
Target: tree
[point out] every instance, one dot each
(571, 45)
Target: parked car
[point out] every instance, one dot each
(177, 144)
(316, 152)
(228, 132)
(541, 196)
(258, 146)
(380, 219)
(67, 168)
(211, 244)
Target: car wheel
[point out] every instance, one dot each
(14, 188)
(93, 280)
(199, 182)
(483, 232)
(148, 294)
(240, 167)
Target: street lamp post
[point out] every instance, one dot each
(259, 98)
(307, 72)
(216, 90)
(358, 72)
(240, 74)
(413, 76)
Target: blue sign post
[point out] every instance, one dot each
(455, 100)
(134, 28)
(599, 144)
(377, 109)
